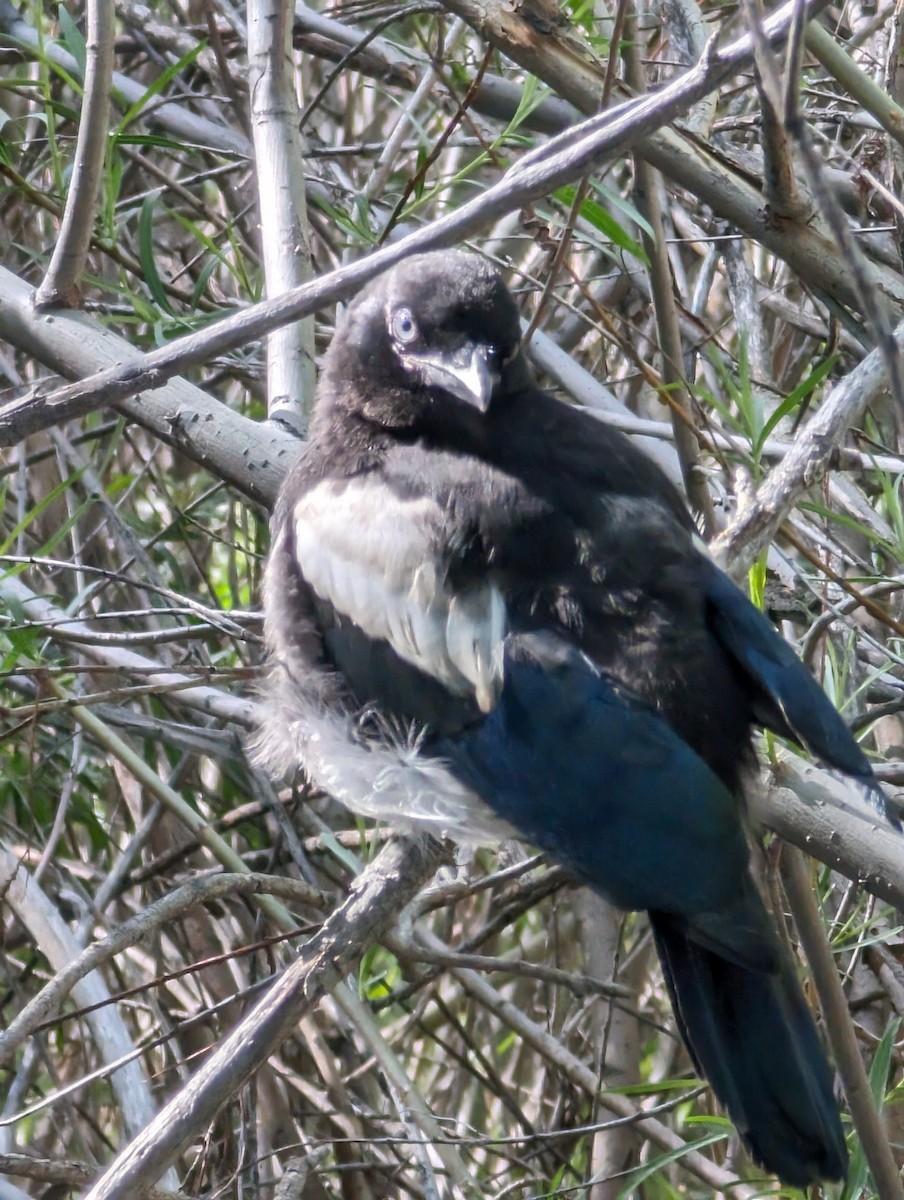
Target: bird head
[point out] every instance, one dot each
(437, 331)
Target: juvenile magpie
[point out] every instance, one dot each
(489, 614)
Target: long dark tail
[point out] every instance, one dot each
(751, 1035)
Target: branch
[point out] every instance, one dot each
(170, 115)
(70, 254)
(808, 459)
(840, 1027)
(813, 810)
(376, 898)
(251, 456)
(285, 236)
(54, 939)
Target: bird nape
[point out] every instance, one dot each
(488, 613)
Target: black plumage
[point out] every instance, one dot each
(488, 612)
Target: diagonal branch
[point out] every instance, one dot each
(377, 897)
(805, 464)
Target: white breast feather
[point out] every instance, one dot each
(387, 778)
(374, 558)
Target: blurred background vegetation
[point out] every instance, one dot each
(695, 289)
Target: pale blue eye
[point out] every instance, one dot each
(402, 326)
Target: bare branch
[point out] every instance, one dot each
(60, 285)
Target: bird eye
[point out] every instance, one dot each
(402, 326)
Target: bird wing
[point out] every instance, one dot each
(381, 561)
(603, 783)
(790, 700)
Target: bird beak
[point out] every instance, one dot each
(465, 373)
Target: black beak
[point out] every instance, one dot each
(467, 372)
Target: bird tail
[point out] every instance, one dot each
(751, 1035)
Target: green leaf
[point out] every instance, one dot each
(654, 1166)
(582, 14)
(531, 95)
(210, 265)
(158, 86)
(33, 513)
(343, 220)
(147, 255)
(623, 204)
(882, 1062)
(794, 399)
(24, 639)
(71, 37)
(335, 847)
(153, 141)
(756, 582)
(603, 221)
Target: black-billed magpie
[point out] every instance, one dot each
(488, 613)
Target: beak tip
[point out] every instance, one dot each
(467, 374)
(480, 379)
